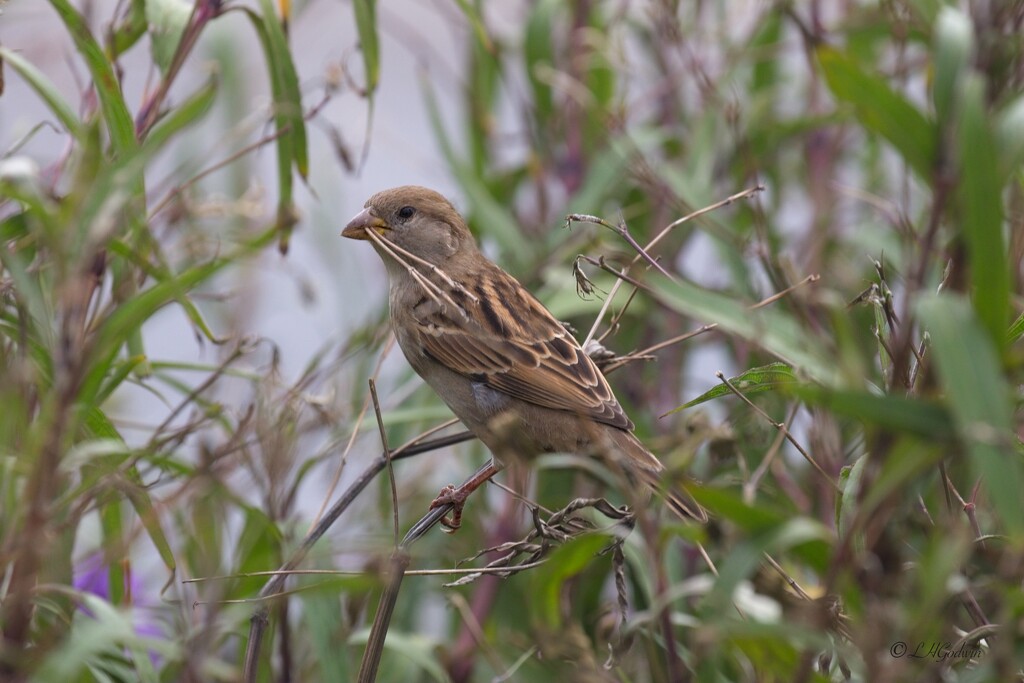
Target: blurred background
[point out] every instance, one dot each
(187, 341)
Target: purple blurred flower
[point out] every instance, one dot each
(92, 575)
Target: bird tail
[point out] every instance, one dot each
(648, 469)
(678, 500)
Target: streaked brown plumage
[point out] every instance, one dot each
(504, 365)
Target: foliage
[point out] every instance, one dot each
(862, 467)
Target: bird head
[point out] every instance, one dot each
(416, 219)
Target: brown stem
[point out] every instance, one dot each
(55, 420)
(461, 657)
(387, 454)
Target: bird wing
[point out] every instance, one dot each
(509, 341)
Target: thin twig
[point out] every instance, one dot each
(707, 558)
(814, 277)
(970, 603)
(619, 362)
(511, 671)
(515, 494)
(613, 324)
(422, 435)
(650, 245)
(192, 395)
(476, 630)
(178, 189)
(387, 454)
(628, 358)
(976, 634)
(968, 506)
(751, 485)
(454, 571)
(781, 426)
(605, 306)
(622, 231)
(621, 274)
(789, 579)
(385, 608)
(750, 191)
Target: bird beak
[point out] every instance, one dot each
(364, 220)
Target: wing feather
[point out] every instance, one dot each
(510, 342)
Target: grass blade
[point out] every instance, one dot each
(46, 90)
(979, 399)
(881, 110)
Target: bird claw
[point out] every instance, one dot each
(456, 497)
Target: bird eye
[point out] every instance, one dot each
(406, 212)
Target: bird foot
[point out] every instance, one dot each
(456, 497)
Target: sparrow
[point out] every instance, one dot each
(510, 371)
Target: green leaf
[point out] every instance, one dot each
(27, 288)
(881, 110)
(161, 274)
(600, 76)
(124, 35)
(167, 20)
(772, 330)
(538, 52)
(927, 10)
(980, 195)
(366, 25)
(901, 472)
(410, 648)
(287, 92)
(753, 381)
(729, 505)
(325, 621)
(112, 525)
(764, 45)
(484, 84)
(473, 16)
(114, 201)
(288, 117)
(98, 425)
(484, 208)
(143, 505)
(130, 316)
(96, 637)
(898, 413)
(954, 44)
(604, 173)
(747, 556)
(564, 563)
(46, 90)
(979, 398)
(1010, 137)
(108, 88)
(183, 115)
(847, 500)
(1016, 330)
